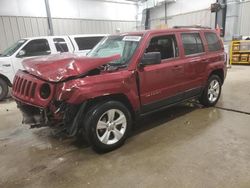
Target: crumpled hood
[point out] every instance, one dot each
(56, 68)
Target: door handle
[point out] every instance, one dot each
(6, 65)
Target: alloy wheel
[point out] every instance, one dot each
(111, 126)
(213, 91)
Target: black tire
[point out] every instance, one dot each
(205, 97)
(4, 89)
(98, 111)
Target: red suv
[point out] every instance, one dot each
(123, 77)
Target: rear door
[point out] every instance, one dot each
(158, 83)
(194, 59)
(62, 44)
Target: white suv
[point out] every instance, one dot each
(11, 58)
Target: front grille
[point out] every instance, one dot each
(23, 87)
(26, 89)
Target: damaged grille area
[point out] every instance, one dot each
(24, 88)
(27, 89)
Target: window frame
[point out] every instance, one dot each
(202, 41)
(27, 43)
(162, 35)
(55, 42)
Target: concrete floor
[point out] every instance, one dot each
(184, 146)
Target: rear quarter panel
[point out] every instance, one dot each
(215, 59)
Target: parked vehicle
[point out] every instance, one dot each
(125, 76)
(11, 58)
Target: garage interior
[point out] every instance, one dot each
(186, 145)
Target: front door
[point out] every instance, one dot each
(158, 83)
(34, 48)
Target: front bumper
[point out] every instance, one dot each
(66, 115)
(34, 116)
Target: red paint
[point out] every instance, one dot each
(21, 92)
(59, 67)
(156, 82)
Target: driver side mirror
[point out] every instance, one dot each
(151, 58)
(21, 53)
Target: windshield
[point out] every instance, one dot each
(125, 46)
(13, 48)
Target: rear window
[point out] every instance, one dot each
(213, 42)
(61, 45)
(87, 43)
(192, 43)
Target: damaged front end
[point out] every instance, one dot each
(40, 94)
(33, 116)
(60, 115)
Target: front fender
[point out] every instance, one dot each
(79, 90)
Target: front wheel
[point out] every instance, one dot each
(4, 89)
(212, 91)
(107, 125)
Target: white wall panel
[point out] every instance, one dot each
(13, 28)
(244, 18)
(42, 26)
(8, 30)
(186, 6)
(21, 27)
(76, 9)
(202, 17)
(26, 18)
(3, 40)
(28, 27)
(34, 8)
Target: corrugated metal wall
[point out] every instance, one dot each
(202, 17)
(244, 18)
(13, 28)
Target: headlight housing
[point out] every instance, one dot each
(45, 91)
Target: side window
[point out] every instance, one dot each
(61, 45)
(192, 43)
(213, 42)
(36, 48)
(87, 43)
(166, 45)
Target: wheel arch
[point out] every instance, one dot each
(218, 72)
(6, 80)
(115, 97)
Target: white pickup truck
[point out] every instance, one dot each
(11, 58)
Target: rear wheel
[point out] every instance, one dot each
(212, 91)
(107, 125)
(4, 89)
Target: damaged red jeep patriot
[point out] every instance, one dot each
(123, 77)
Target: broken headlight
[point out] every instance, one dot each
(45, 91)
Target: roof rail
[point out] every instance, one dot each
(192, 26)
